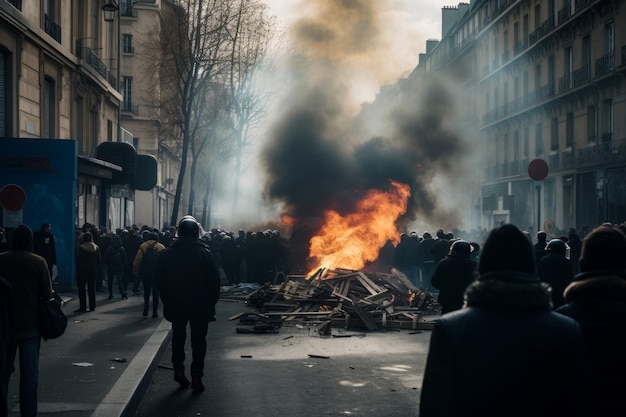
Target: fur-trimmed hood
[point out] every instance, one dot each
(599, 285)
(89, 247)
(508, 290)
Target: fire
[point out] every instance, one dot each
(355, 239)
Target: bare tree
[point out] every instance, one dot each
(190, 54)
(250, 33)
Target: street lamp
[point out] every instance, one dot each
(111, 13)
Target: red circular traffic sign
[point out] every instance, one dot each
(12, 197)
(538, 169)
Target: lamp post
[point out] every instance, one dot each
(111, 12)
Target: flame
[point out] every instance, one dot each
(355, 239)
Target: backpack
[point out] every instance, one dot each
(150, 260)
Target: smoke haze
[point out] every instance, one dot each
(323, 154)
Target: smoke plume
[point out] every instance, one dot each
(323, 155)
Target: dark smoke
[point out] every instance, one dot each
(319, 159)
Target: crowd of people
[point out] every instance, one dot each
(531, 324)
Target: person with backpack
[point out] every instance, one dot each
(145, 268)
(115, 261)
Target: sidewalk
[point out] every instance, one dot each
(102, 365)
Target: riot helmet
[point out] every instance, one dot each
(188, 228)
(557, 246)
(460, 247)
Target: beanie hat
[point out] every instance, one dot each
(506, 249)
(22, 238)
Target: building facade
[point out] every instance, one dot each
(60, 77)
(544, 79)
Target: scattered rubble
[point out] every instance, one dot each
(335, 298)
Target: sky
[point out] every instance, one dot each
(406, 23)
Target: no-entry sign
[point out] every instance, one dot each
(538, 169)
(12, 197)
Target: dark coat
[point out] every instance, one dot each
(506, 354)
(29, 276)
(45, 246)
(598, 302)
(451, 277)
(556, 270)
(189, 280)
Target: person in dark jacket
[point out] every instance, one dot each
(145, 268)
(575, 246)
(540, 247)
(28, 275)
(8, 340)
(506, 353)
(45, 246)
(427, 259)
(556, 270)
(115, 263)
(87, 271)
(596, 298)
(453, 275)
(190, 287)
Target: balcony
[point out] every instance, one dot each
(564, 14)
(607, 150)
(52, 28)
(17, 4)
(553, 161)
(94, 62)
(566, 82)
(605, 65)
(582, 75)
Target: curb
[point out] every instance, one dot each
(126, 394)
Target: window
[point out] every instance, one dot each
(554, 134)
(591, 124)
(607, 120)
(569, 130)
(109, 131)
(538, 139)
(516, 147)
(609, 38)
(127, 93)
(128, 44)
(537, 15)
(537, 78)
(586, 55)
(48, 108)
(568, 60)
(526, 145)
(4, 92)
(551, 75)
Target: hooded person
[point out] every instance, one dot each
(452, 276)
(87, 271)
(596, 298)
(506, 353)
(28, 276)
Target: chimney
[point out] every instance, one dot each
(422, 59)
(463, 8)
(449, 17)
(430, 45)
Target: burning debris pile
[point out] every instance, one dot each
(340, 298)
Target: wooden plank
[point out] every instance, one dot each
(369, 284)
(365, 318)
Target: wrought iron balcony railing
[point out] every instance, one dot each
(52, 28)
(605, 65)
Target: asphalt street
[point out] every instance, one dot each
(294, 373)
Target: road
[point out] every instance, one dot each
(365, 374)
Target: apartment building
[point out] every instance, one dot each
(62, 77)
(542, 79)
